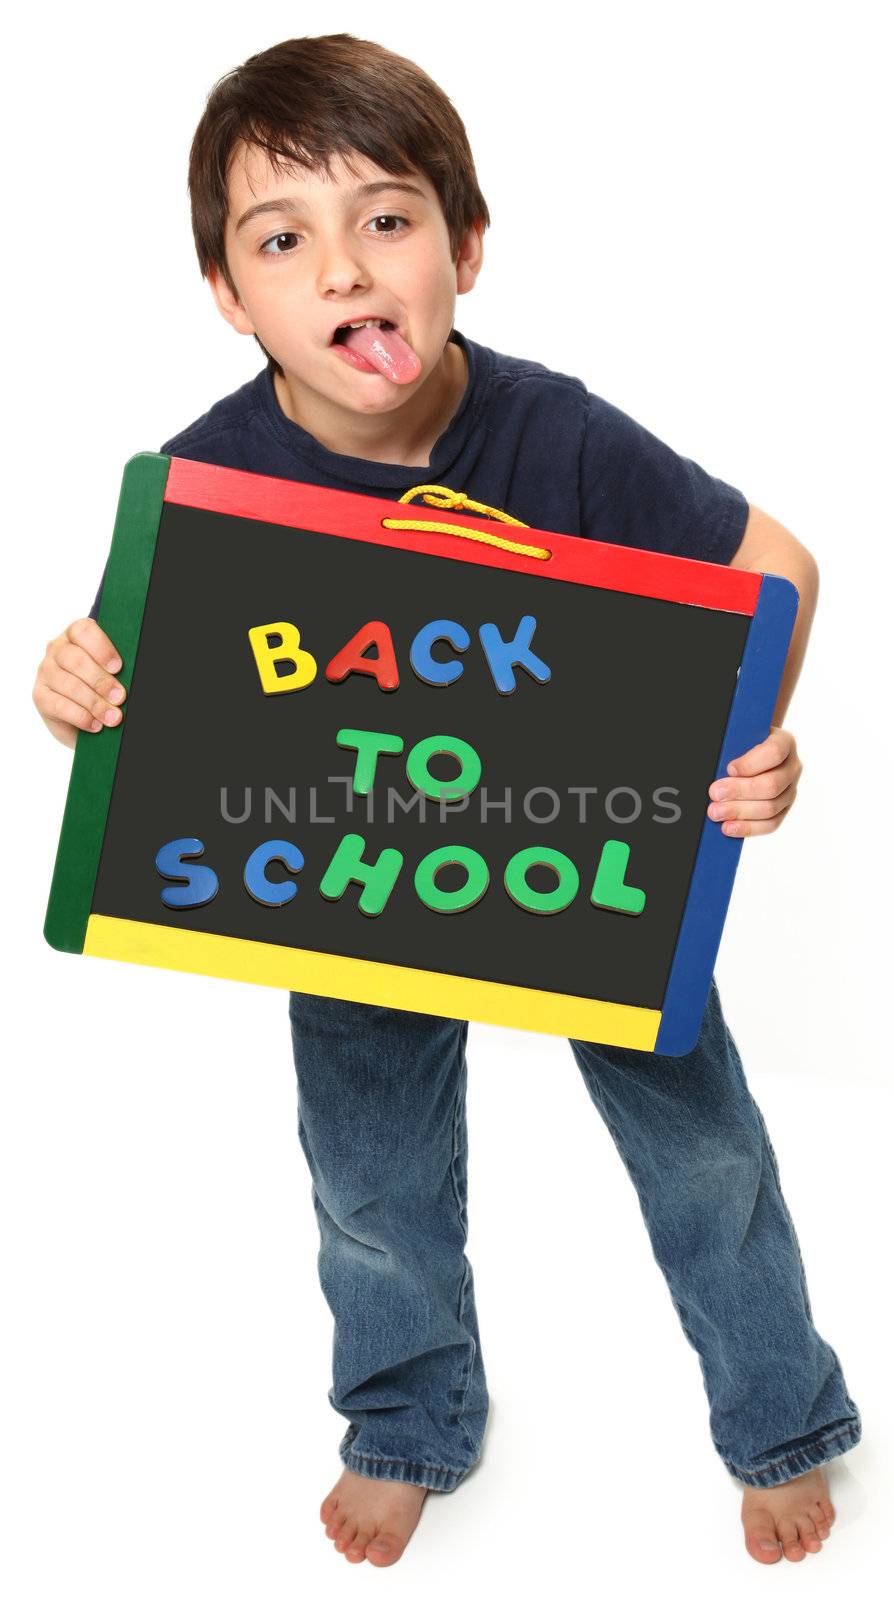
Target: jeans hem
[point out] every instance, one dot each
(425, 1474)
(793, 1463)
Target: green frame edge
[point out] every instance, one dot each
(125, 586)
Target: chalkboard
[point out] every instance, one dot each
(415, 758)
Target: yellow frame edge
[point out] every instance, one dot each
(441, 994)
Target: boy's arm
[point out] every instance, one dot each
(769, 547)
(760, 785)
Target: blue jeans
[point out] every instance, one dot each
(381, 1120)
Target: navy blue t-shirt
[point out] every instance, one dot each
(524, 439)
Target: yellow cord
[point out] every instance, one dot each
(435, 494)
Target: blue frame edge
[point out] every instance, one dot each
(711, 885)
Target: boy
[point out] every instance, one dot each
(301, 154)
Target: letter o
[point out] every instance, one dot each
(444, 744)
(543, 902)
(532, 816)
(623, 790)
(477, 878)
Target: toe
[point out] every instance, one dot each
(347, 1534)
(760, 1538)
(328, 1506)
(356, 1550)
(384, 1550)
(792, 1548)
(335, 1524)
(807, 1533)
(827, 1509)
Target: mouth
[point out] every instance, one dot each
(343, 328)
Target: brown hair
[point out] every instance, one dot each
(306, 100)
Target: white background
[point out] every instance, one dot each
(689, 207)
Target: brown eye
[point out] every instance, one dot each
(275, 241)
(390, 232)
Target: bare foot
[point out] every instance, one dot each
(371, 1517)
(797, 1515)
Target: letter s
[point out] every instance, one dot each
(201, 883)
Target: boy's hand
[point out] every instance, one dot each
(74, 687)
(761, 787)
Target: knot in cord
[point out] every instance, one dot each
(438, 495)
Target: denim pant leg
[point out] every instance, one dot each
(696, 1147)
(382, 1123)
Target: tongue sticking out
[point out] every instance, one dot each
(385, 350)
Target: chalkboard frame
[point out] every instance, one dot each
(151, 479)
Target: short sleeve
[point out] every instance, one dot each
(637, 491)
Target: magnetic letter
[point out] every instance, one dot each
(423, 662)
(262, 888)
(279, 641)
(201, 882)
(503, 655)
(543, 901)
(477, 878)
(351, 658)
(444, 788)
(347, 866)
(609, 889)
(369, 747)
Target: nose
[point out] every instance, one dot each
(341, 267)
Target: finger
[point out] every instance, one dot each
(56, 706)
(744, 830)
(762, 787)
(86, 632)
(777, 747)
(76, 660)
(738, 810)
(73, 688)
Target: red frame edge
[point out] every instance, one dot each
(589, 562)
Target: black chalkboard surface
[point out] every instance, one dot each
(380, 751)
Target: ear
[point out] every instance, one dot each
(471, 256)
(229, 306)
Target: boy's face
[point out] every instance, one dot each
(323, 251)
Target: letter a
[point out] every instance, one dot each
(382, 667)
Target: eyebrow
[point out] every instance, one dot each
(290, 202)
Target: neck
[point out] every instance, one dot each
(402, 438)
